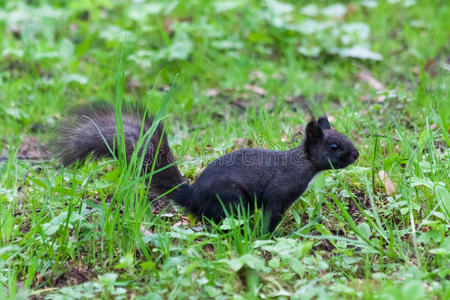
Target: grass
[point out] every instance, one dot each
(88, 230)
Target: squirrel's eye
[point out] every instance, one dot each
(334, 146)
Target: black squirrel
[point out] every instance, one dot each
(271, 179)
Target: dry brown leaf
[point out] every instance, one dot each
(431, 67)
(257, 74)
(146, 231)
(163, 88)
(32, 148)
(364, 98)
(168, 22)
(133, 83)
(255, 89)
(74, 27)
(239, 103)
(380, 98)
(240, 143)
(331, 118)
(367, 98)
(269, 106)
(211, 92)
(365, 76)
(351, 8)
(183, 222)
(389, 185)
(298, 133)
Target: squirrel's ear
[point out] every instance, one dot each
(313, 131)
(324, 123)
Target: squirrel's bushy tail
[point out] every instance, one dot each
(93, 129)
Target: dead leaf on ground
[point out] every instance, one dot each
(74, 27)
(269, 106)
(257, 74)
(74, 274)
(77, 274)
(430, 67)
(298, 133)
(31, 148)
(201, 149)
(211, 92)
(168, 25)
(296, 101)
(183, 222)
(163, 88)
(331, 118)
(366, 76)
(209, 248)
(133, 83)
(351, 8)
(389, 185)
(145, 231)
(161, 206)
(416, 70)
(15, 30)
(365, 98)
(256, 89)
(239, 103)
(240, 143)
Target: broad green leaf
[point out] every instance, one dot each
(296, 266)
(229, 223)
(125, 261)
(254, 262)
(180, 48)
(274, 262)
(223, 6)
(309, 51)
(337, 10)
(310, 10)
(108, 278)
(278, 7)
(227, 44)
(365, 231)
(361, 30)
(443, 197)
(235, 263)
(360, 52)
(413, 290)
(75, 78)
(416, 181)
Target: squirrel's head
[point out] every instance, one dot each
(325, 145)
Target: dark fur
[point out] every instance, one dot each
(275, 179)
(82, 133)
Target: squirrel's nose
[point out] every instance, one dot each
(355, 154)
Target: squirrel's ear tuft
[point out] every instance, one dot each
(313, 131)
(324, 123)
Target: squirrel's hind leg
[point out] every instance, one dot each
(226, 202)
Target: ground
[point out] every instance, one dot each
(228, 75)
